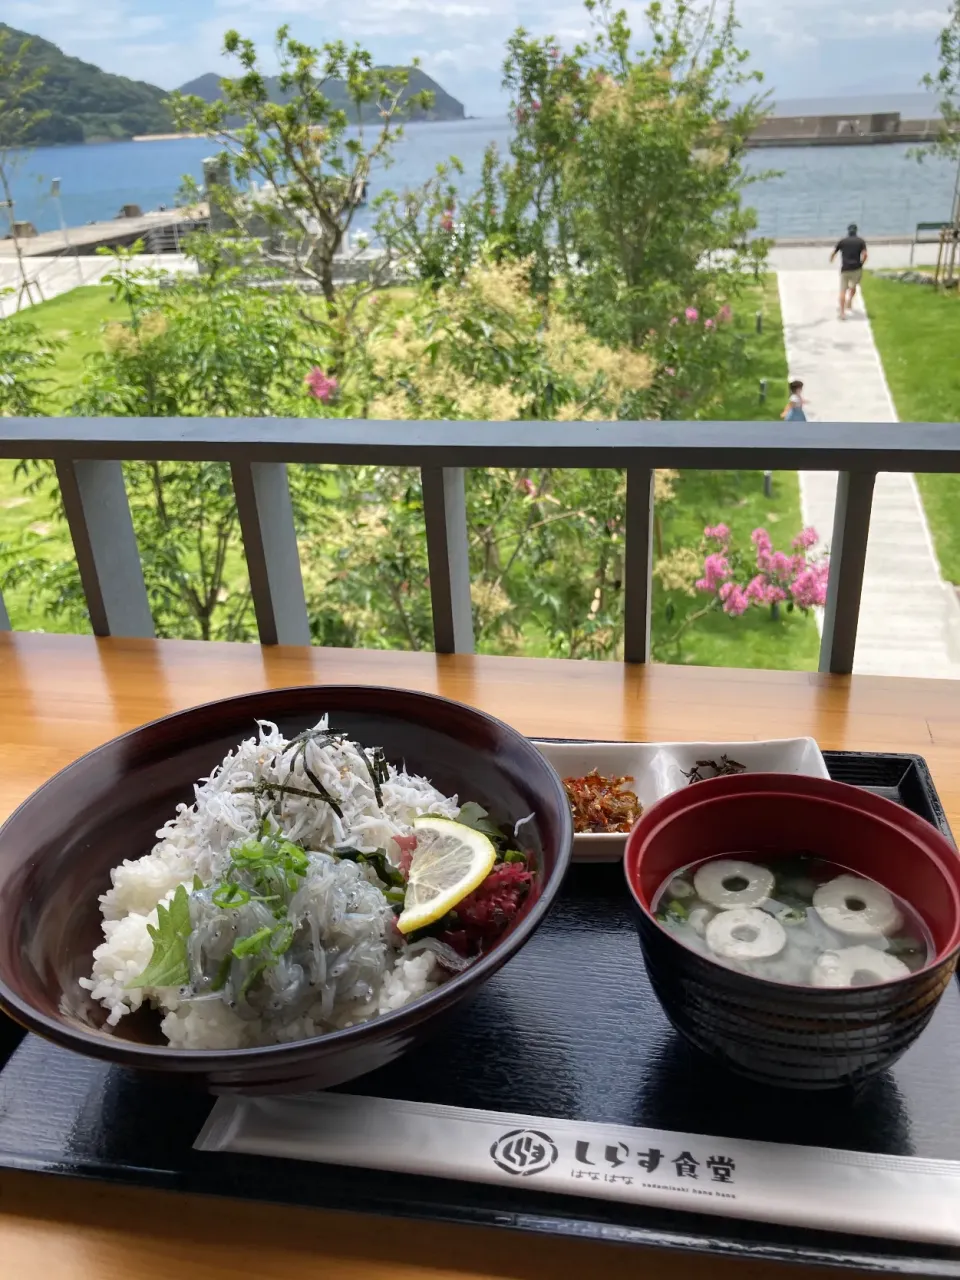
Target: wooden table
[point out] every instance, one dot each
(62, 695)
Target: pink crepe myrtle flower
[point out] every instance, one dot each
(692, 314)
(781, 564)
(720, 532)
(734, 599)
(809, 588)
(670, 371)
(805, 539)
(446, 222)
(708, 324)
(761, 540)
(725, 313)
(535, 104)
(320, 386)
(673, 321)
(716, 571)
(526, 485)
(757, 589)
(781, 576)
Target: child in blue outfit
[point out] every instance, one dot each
(793, 411)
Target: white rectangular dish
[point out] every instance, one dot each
(658, 768)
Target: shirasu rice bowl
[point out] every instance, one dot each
(266, 912)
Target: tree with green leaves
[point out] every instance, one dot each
(204, 345)
(311, 159)
(20, 82)
(633, 159)
(945, 84)
(27, 356)
(624, 192)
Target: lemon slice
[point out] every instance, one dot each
(450, 861)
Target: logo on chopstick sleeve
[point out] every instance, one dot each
(524, 1152)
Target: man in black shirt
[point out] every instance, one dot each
(853, 254)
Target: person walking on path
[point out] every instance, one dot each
(793, 410)
(853, 254)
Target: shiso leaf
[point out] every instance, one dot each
(474, 815)
(168, 965)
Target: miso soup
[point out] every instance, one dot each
(799, 919)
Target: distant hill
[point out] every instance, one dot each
(445, 107)
(85, 103)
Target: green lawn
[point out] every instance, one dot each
(917, 331)
(702, 497)
(76, 319)
(767, 358)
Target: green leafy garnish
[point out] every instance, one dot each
(673, 913)
(514, 855)
(168, 965)
(256, 972)
(272, 869)
(223, 973)
(386, 871)
(792, 915)
(474, 815)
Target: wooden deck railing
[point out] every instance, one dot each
(88, 454)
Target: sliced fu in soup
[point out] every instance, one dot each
(799, 919)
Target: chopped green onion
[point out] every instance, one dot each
(253, 944)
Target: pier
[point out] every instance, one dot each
(865, 129)
(161, 230)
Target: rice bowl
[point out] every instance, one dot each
(329, 826)
(58, 850)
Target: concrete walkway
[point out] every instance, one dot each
(813, 255)
(909, 618)
(59, 275)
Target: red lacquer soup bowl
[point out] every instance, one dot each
(798, 1036)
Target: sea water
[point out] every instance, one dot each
(817, 191)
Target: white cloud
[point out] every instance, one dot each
(169, 41)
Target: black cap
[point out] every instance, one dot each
(852, 229)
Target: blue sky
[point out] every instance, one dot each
(805, 47)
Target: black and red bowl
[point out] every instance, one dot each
(800, 1037)
(57, 849)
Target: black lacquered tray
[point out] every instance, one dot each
(569, 1029)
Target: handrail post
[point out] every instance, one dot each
(448, 556)
(262, 491)
(638, 565)
(4, 616)
(848, 554)
(98, 513)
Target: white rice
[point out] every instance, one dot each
(197, 842)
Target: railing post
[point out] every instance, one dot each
(98, 513)
(270, 545)
(448, 555)
(638, 565)
(4, 616)
(848, 554)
